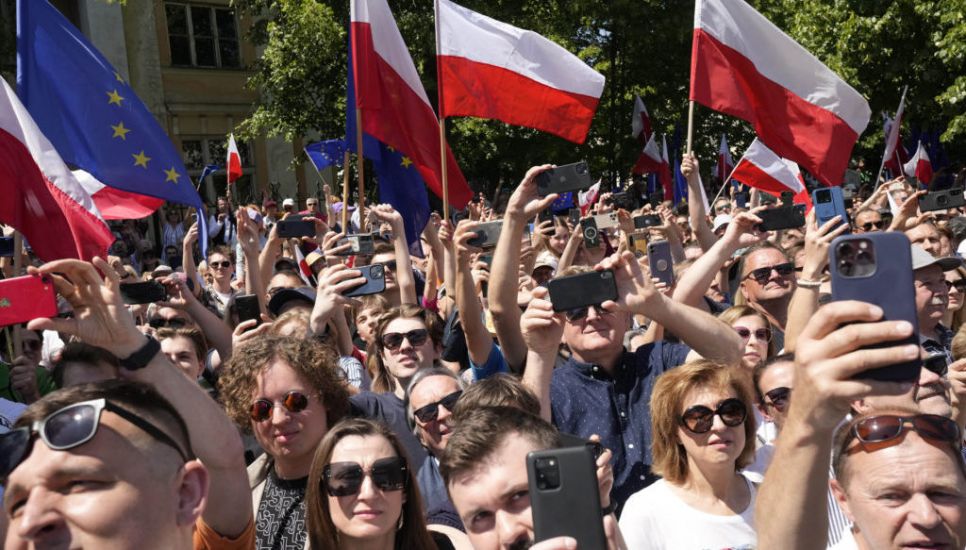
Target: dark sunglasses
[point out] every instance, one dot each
(761, 334)
(71, 427)
(392, 340)
(341, 479)
(869, 226)
(161, 322)
(390, 265)
(294, 402)
(778, 398)
(579, 313)
(959, 285)
(762, 274)
(699, 419)
(886, 427)
(428, 413)
(224, 264)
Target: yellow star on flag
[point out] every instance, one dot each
(120, 131)
(141, 159)
(172, 175)
(117, 75)
(406, 162)
(114, 97)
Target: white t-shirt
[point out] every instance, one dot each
(656, 519)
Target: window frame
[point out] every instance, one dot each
(216, 35)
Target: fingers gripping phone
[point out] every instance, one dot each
(487, 235)
(25, 298)
(564, 497)
(570, 177)
(660, 261)
(582, 290)
(829, 202)
(375, 275)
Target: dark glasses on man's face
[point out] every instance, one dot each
(428, 413)
(778, 398)
(761, 334)
(390, 265)
(71, 427)
(886, 427)
(161, 322)
(341, 479)
(699, 419)
(294, 402)
(223, 264)
(579, 313)
(762, 274)
(416, 338)
(869, 226)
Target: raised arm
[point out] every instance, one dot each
(696, 212)
(449, 268)
(404, 266)
(478, 339)
(188, 255)
(542, 330)
(248, 240)
(213, 327)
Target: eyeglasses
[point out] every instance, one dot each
(428, 413)
(342, 479)
(778, 398)
(869, 226)
(392, 340)
(699, 419)
(390, 265)
(71, 427)
(294, 402)
(761, 334)
(886, 427)
(224, 264)
(579, 313)
(959, 284)
(762, 274)
(161, 322)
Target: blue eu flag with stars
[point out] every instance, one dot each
(326, 153)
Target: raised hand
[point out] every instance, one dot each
(541, 327)
(524, 203)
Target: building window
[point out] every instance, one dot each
(199, 152)
(202, 36)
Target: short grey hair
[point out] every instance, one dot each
(435, 370)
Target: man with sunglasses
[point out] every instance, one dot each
(868, 221)
(767, 283)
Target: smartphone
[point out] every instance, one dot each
(783, 217)
(941, 200)
(25, 298)
(625, 200)
(638, 245)
(569, 177)
(660, 261)
(545, 216)
(647, 220)
(375, 275)
(877, 268)
(487, 234)
(582, 289)
(143, 293)
(295, 228)
(606, 221)
(829, 202)
(6, 247)
(741, 199)
(588, 226)
(574, 216)
(247, 307)
(564, 497)
(361, 244)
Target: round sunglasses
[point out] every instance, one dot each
(341, 479)
(761, 334)
(294, 402)
(699, 418)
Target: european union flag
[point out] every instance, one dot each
(92, 117)
(680, 183)
(326, 153)
(563, 204)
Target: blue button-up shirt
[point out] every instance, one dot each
(586, 400)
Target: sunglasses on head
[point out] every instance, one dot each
(224, 264)
(869, 226)
(294, 402)
(579, 313)
(341, 479)
(71, 427)
(762, 274)
(887, 427)
(161, 322)
(392, 340)
(778, 398)
(699, 418)
(430, 412)
(761, 334)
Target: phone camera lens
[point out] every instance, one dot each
(846, 250)
(376, 271)
(846, 268)
(942, 199)
(582, 168)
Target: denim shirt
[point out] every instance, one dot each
(586, 400)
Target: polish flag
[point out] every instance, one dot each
(41, 197)
(725, 163)
(664, 174)
(901, 155)
(586, 199)
(395, 109)
(115, 204)
(650, 159)
(490, 69)
(919, 166)
(744, 66)
(762, 169)
(895, 125)
(233, 163)
(641, 123)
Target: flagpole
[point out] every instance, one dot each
(690, 123)
(442, 118)
(360, 166)
(17, 266)
(725, 183)
(345, 191)
(882, 164)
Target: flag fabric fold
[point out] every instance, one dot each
(641, 122)
(327, 153)
(650, 159)
(233, 163)
(745, 66)
(919, 166)
(763, 169)
(725, 163)
(664, 174)
(587, 198)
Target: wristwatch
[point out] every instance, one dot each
(140, 358)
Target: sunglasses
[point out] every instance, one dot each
(390, 265)
(428, 413)
(778, 398)
(342, 479)
(762, 274)
(886, 427)
(699, 419)
(161, 322)
(936, 363)
(392, 340)
(224, 264)
(579, 313)
(959, 285)
(761, 334)
(71, 427)
(869, 226)
(294, 402)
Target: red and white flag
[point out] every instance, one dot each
(233, 162)
(745, 66)
(919, 166)
(899, 155)
(725, 163)
(41, 197)
(650, 159)
(395, 109)
(586, 199)
(664, 174)
(304, 270)
(762, 169)
(641, 123)
(490, 69)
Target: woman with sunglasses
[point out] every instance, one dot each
(703, 434)
(955, 313)
(363, 492)
(755, 332)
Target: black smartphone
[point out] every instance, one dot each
(487, 234)
(375, 275)
(877, 268)
(569, 177)
(582, 289)
(588, 227)
(295, 228)
(361, 244)
(782, 217)
(247, 307)
(625, 200)
(564, 498)
(941, 200)
(647, 220)
(6, 247)
(143, 293)
(660, 261)
(545, 216)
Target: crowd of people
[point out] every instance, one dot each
(727, 408)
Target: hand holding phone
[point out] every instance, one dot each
(375, 276)
(582, 290)
(564, 497)
(569, 177)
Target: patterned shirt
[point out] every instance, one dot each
(280, 522)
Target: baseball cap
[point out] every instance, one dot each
(921, 259)
(288, 202)
(546, 259)
(287, 297)
(720, 221)
(269, 203)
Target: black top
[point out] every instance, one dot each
(280, 522)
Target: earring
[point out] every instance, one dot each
(399, 526)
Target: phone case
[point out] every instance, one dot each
(295, 228)
(647, 220)
(570, 177)
(941, 200)
(829, 202)
(247, 307)
(889, 286)
(143, 293)
(375, 275)
(487, 234)
(564, 497)
(583, 289)
(591, 234)
(606, 221)
(660, 260)
(26, 298)
(783, 217)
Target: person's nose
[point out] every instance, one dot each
(368, 490)
(40, 521)
(928, 377)
(922, 512)
(510, 529)
(442, 413)
(280, 414)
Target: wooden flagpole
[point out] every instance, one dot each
(442, 119)
(345, 191)
(17, 267)
(360, 166)
(690, 124)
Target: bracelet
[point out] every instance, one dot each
(806, 283)
(609, 509)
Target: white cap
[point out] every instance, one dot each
(288, 202)
(720, 221)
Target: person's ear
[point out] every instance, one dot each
(192, 493)
(839, 493)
